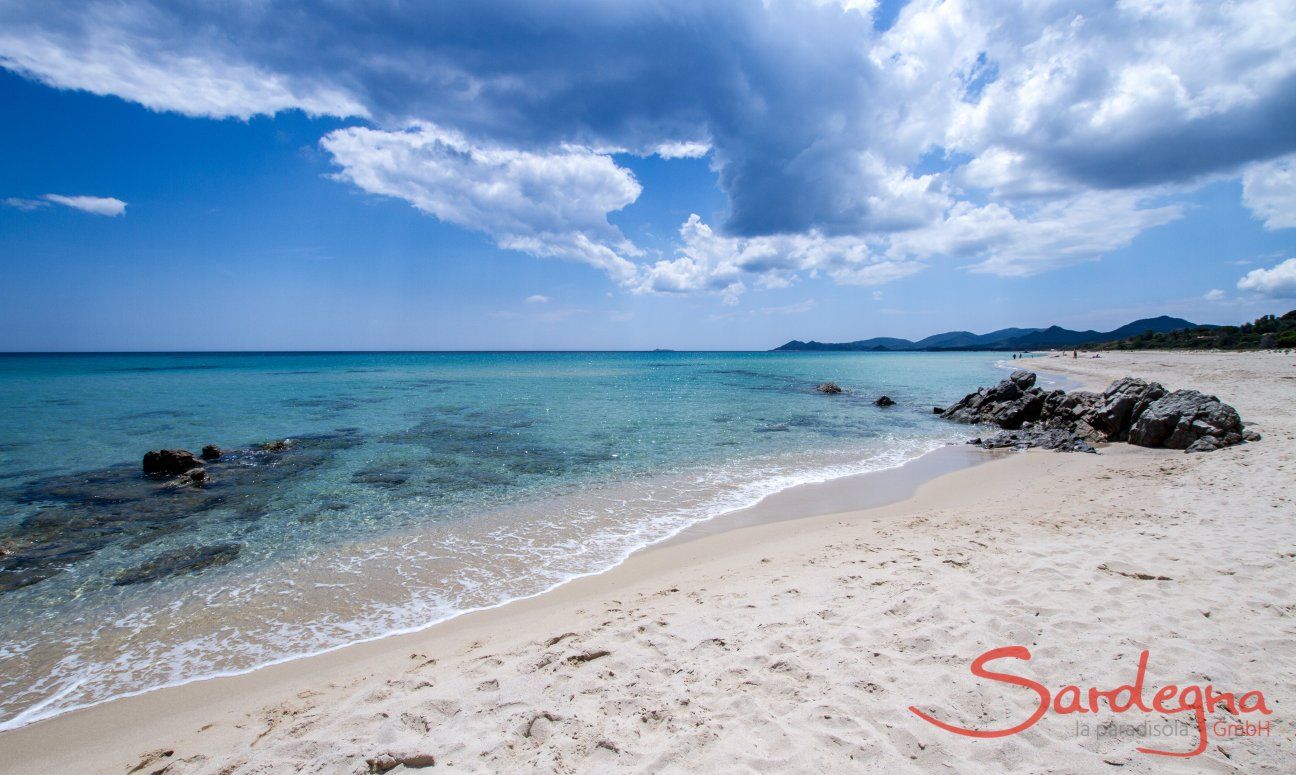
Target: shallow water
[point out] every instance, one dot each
(417, 487)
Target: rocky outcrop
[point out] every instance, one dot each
(884, 401)
(1044, 438)
(1123, 403)
(1130, 409)
(170, 462)
(1187, 420)
(831, 388)
(1010, 404)
(211, 452)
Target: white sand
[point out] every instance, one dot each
(799, 645)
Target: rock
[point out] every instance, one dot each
(1122, 403)
(1009, 404)
(189, 559)
(196, 477)
(211, 452)
(937, 410)
(276, 446)
(1051, 438)
(884, 401)
(1250, 436)
(169, 462)
(1129, 409)
(1023, 379)
(831, 388)
(1180, 419)
(385, 762)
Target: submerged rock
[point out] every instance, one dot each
(81, 513)
(189, 559)
(211, 452)
(169, 462)
(831, 388)
(884, 401)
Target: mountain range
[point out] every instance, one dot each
(1003, 339)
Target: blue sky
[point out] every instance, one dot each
(589, 175)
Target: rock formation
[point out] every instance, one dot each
(1130, 409)
(170, 462)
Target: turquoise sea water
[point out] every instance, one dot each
(414, 487)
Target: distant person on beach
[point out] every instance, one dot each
(1074, 355)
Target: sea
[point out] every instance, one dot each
(361, 495)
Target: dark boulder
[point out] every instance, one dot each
(1182, 418)
(1028, 438)
(169, 462)
(1023, 379)
(937, 410)
(884, 401)
(831, 388)
(1123, 402)
(1129, 409)
(176, 562)
(211, 452)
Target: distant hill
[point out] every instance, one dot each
(1003, 339)
(1267, 332)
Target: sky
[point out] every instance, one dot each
(582, 174)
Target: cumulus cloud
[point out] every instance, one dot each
(708, 261)
(1269, 189)
(1021, 241)
(1278, 282)
(97, 205)
(537, 299)
(1214, 294)
(551, 204)
(1007, 136)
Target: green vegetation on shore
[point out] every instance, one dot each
(1267, 332)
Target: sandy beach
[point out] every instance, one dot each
(799, 644)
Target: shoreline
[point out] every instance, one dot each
(854, 490)
(322, 711)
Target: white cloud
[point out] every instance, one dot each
(1214, 294)
(707, 261)
(682, 150)
(1278, 282)
(26, 205)
(1004, 136)
(551, 204)
(98, 205)
(1269, 189)
(1027, 240)
(140, 54)
(537, 299)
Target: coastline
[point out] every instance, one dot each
(775, 604)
